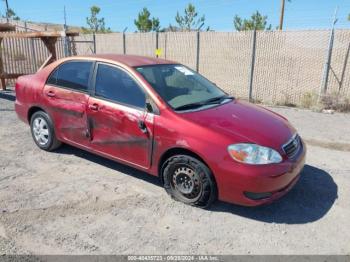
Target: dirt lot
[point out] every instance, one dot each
(73, 202)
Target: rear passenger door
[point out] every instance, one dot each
(66, 93)
(120, 125)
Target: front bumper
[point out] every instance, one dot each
(268, 181)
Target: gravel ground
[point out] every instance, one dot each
(73, 202)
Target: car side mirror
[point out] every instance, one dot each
(150, 107)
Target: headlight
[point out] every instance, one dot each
(254, 154)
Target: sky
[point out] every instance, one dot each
(299, 14)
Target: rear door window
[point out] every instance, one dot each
(73, 75)
(53, 77)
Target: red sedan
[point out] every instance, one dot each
(163, 118)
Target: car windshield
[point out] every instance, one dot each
(181, 87)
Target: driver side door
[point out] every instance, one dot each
(120, 126)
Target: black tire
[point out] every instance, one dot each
(52, 143)
(189, 180)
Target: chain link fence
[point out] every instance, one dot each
(339, 75)
(287, 65)
(277, 67)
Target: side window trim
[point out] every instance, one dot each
(51, 74)
(93, 91)
(90, 80)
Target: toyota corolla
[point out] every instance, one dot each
(167, 120)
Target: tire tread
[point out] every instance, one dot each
(209, 194)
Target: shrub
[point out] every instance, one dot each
(308, 100)
(286, 101)
(335, 102)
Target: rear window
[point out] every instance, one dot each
(74, 75)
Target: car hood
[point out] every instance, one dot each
(244, 122)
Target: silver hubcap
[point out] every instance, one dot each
(41, 131)
(185, 180)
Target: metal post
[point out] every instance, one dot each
(124, 42)
(124, 47)
(157, 43)
(252, 66)
(94, 40)
(344, 67)
(327, 65)
(198, 46)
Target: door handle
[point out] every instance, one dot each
(94, 107)
(142, 126)
(50, 93)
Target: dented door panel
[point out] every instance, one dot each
(68, 111)
(115, 130)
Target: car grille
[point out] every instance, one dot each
(292, 147)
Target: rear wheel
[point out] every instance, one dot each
(43, 132)
(189, 180)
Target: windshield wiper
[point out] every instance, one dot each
(218, 99)
(214, 100)
(189, 106)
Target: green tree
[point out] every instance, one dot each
(10, 13)
(349, 17)
(145, 24)
(155, 24)
(190, 20)
(96, 25)
(256, 22)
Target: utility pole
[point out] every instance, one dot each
(65, 18)
(283, 2)
(7, 11)
(66, 41)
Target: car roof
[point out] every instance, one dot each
(130, 60)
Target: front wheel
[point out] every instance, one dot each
(189, 180)
(43, 132)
